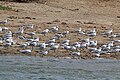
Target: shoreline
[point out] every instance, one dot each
(113, 56)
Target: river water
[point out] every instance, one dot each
(37, 68)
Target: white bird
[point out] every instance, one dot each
(7, 44)
(84, 45)
(54, 47)
(65, 33)
(30, 26)
(114, 50)
(73, 48)
(8, 40)
(108, 32)
(66, 47)
(4, 29)
(57, 36)
(26, 51)
(24, 45)
(65, 41)
(44, 52)
(1, 40)
(97, 50)
(42, 46)
(92, 49)
(36, 39)
(52, 40)
(113, 36)
(45, 31)
(97, 54)
(117, 40)
(92, 33)
(0, 29)
(33, 43)
(54, 29)
(75, 53)
(22, 37)
(85, 40)
(20, 30)
(106, 47)
(30, 33)
(79, 31)
(50, 44)
(4, 21)
(8, 34)
(64, 44)
(111, 44)
(93, 43)
(76, 44)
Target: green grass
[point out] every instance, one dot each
(4, 8)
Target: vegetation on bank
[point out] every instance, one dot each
(40, 1)
(4, 7)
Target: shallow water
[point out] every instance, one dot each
(36, 68)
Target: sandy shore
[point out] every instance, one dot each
(68, 15)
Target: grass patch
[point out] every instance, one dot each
(4, 8)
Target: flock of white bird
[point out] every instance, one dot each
(9, 39)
